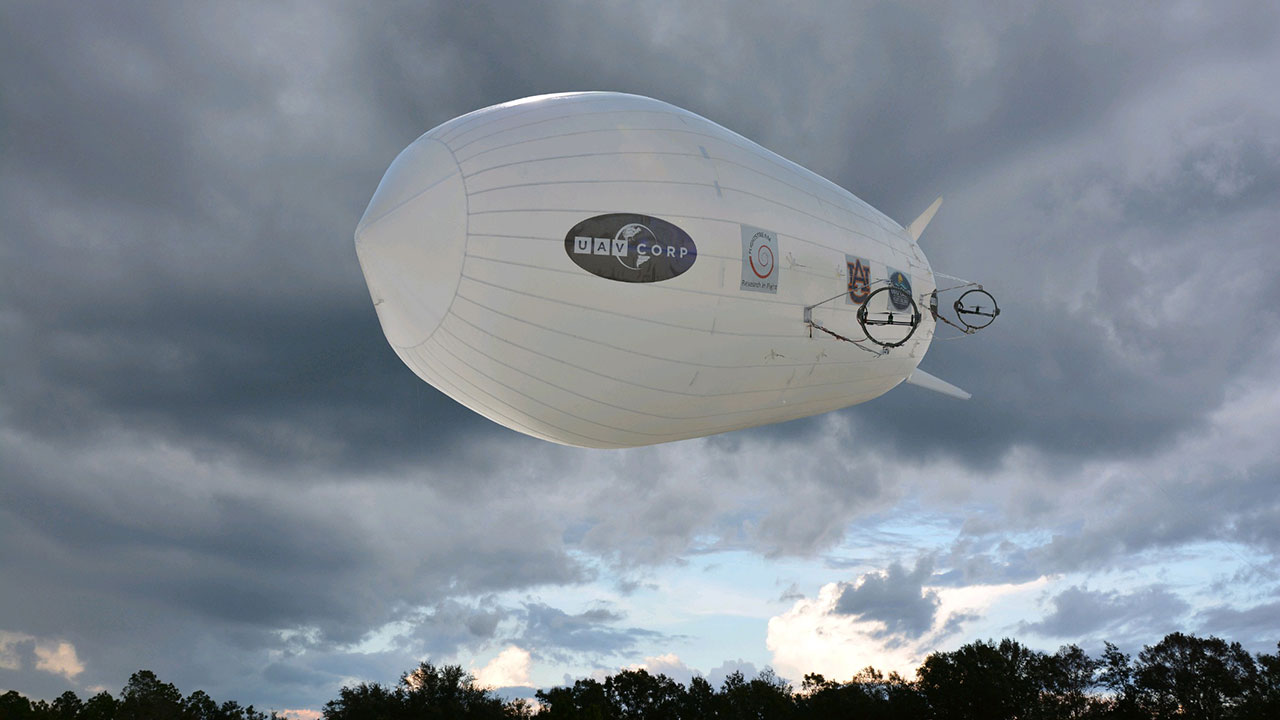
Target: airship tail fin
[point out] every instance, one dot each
(920, 378)
(916, 228)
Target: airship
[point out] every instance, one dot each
(607, 270)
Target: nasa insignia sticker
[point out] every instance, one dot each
(629, 247)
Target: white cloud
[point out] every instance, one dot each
(53, 656)
(510, 668)
(813, 637)
(59, 659)
(668, 664)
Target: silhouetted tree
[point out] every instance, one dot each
(447, 692)
(425, 693)
(373, 702)
(1196, 677)
(14, 705)
(586, 700)
(1066, 680)
(1264, 700)
(99, 707)
(1181, 676)
(199, 706)
(823, 698)
(637, 695)
(66, 706)
(1115, 676)
(981, 680)
(699, 700)
(232, 710)
(905, 698)
(146, 698)
(764, 698)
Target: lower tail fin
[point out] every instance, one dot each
(920, 378)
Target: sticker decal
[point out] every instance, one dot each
(629, 247)
(859, 279)
(759, 260)
(900, 289)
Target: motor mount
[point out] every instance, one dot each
(908, 316)
(974, 308)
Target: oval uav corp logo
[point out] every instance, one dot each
(629, 247)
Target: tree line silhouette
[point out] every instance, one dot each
(1182, 676)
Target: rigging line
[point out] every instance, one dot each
(953, 277)
(957, 287)
(939, 316)
(838, 336)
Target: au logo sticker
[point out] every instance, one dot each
(759, 260)
(859, 279)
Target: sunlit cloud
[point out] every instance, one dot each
(59, 659)
(816, 636)
(509, 669)
(52, 656)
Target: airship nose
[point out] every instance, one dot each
(412, 239)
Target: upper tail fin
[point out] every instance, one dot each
(916, 228)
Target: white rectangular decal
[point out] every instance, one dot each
(859, 275)
(759, 260)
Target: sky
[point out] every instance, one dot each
(213, 466)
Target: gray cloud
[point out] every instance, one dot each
(1078, 611)
(1254, 626)
(451, 624)
(1145, 514)
(895, 597)
(165, 561)
(722, 671)
(986, 558)
(182, 275)
(553, 632)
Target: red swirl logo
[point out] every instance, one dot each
(761, 257)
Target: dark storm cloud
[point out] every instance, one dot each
(1093, 370)
(895, 597)
(160, 560)
(1078, 611)
(177, 269)
(253, 355)
(1255, 520)
(1098, 372)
